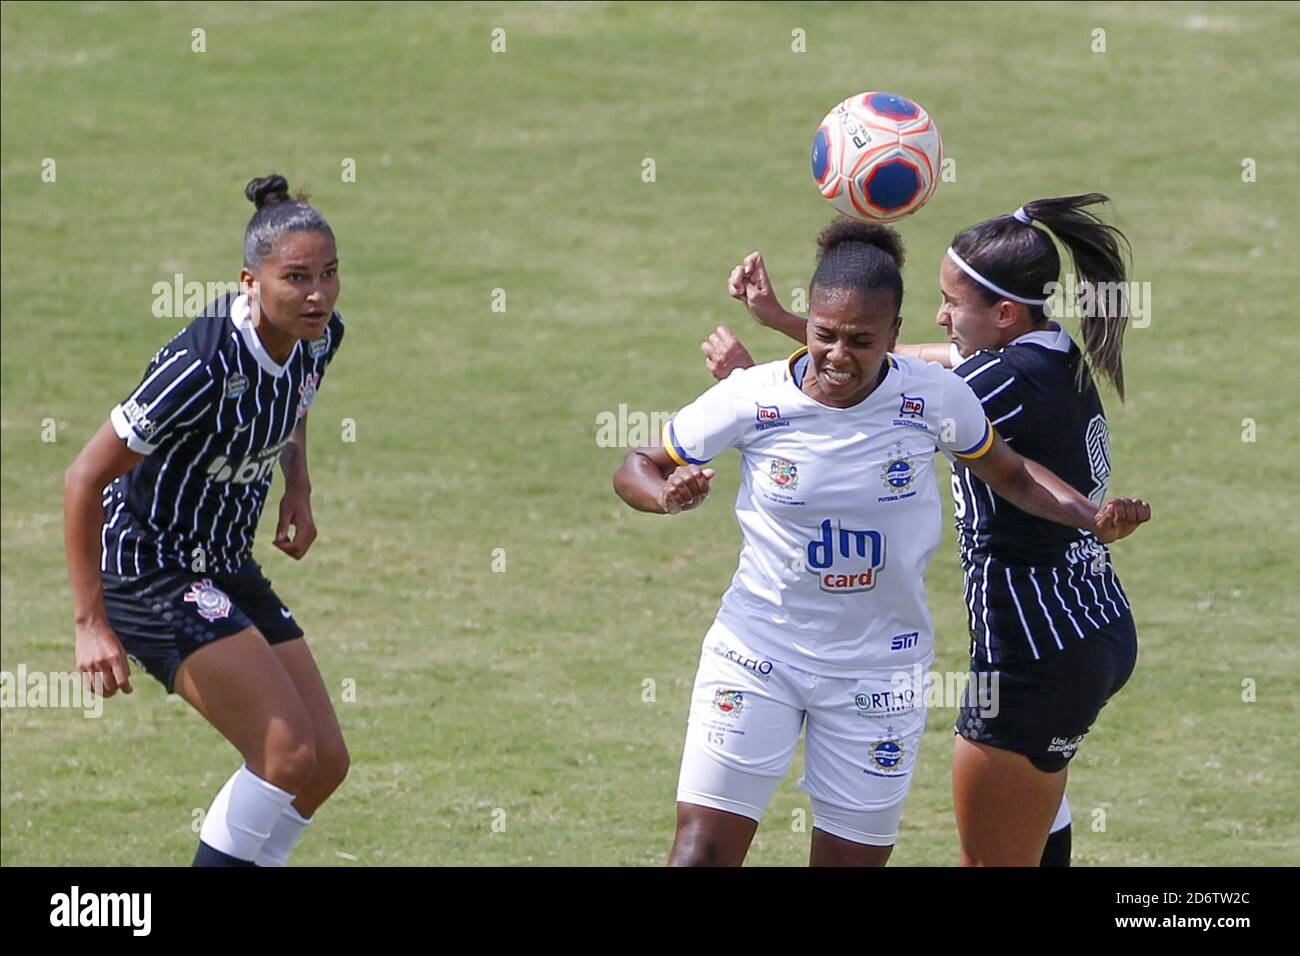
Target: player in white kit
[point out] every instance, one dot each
(826, 618)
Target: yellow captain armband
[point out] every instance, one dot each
(980, 448)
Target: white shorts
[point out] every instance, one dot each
(746, 713)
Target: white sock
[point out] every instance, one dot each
(243, 815)
(284, 836)
(1062, 815)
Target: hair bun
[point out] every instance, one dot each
(267, 190)
(844, 230)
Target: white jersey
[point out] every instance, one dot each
(839, 508)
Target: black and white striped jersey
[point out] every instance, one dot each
(1033, 585)
(212, 414)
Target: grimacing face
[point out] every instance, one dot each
(848, 336)
(970, 323)
(296, 286)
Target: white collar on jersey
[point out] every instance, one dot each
(1053, 337)
(241, 315)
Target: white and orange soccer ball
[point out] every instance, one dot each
(876, 157)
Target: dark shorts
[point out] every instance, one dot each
(1043, 708)
(164, 616)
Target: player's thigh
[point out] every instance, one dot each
(241, 688)
(743, 728)
(863, 742)
(1003, 803)
(297, 660)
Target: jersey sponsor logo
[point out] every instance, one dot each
(319, 346)
(880, 703)
(901, 642)
(211, 602)
(236, 385)
(912, 407)
(846, 561)
(784, 474)
(307, 393)
(135, 414)
(756, 664)
(768, 416)
(255, 467)
(729, 702)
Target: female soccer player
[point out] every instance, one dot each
(840, 512)
(1046, 610)
(161, 564)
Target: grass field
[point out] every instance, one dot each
(515, 698)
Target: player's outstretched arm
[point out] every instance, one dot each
(649, 480)
(100, 656)
(935, 352)
(1035, 489)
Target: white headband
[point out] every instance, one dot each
(1021, 216)
(966, 268)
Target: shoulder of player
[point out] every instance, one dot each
(757, 379)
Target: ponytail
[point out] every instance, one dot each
(1021, 259)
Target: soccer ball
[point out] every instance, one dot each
(876, 157)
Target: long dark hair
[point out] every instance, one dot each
(1023, 260)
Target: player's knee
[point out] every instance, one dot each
(290, 758)
(332, 764)
(698, 845)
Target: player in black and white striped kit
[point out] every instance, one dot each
(161, 508)
(1047, 613)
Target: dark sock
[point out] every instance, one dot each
(209, 856)
(1057, 850)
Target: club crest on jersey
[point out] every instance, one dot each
(768, 416)
(319, 347)
(784, 474)
(729, 702)
(913, 407)
(236, 385)
(307, 393)
(886, 756)
(898, 472)
(846, 561)
(212, 602)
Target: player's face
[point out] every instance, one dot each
(969, 322)
(848, 336)
(298, 284)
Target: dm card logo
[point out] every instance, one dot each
(768, 416)
(784, 474)
(319, 346)
(236, 385)
(211, 600)
(913, 407)
(898, 471)
(729, 702)
(846, 561)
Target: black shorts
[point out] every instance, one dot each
(164, 616)
(1043, 708)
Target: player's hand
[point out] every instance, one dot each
(686, 488)
(724, 353)
(295, 512)
(750, 284)
(101, 660)
(1120, 517)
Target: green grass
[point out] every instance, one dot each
(521, 691)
